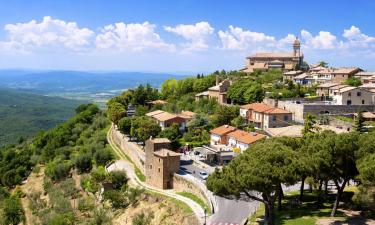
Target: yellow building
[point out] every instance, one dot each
(285, 61)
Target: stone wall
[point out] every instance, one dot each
(301, 109)
(137, 156)
(181, 184)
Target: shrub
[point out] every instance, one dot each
(3, 193)
(103, 156)
(117, 198)
(69, 189)
(99, 174)
(83, 163)
(89, 184)
(58, 170)
(142, 218)
(85, 204)
(117, 179)
(13, 212)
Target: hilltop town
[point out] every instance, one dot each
(194, 126)
(278, 140)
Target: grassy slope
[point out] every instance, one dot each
(24, 114)
(307, 213)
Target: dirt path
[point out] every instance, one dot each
(34, 183)
(353, 218)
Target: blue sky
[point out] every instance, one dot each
(181, 36)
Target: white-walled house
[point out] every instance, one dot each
(353, 96)
(165, 119)
(238, 140)
(218, 136)
(242, 140)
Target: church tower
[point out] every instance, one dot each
(297, 47)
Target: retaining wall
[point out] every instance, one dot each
(135, 155)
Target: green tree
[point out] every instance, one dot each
(262, 168)
(323, 64)
(13, 212)
(103, 156)
(144, 128)
(353, 81)
(168, 88)
(333, 157)
(366, 168)
(173, 134)
(245, 91)
(57, 170)
(83, 163)
(359, 123)
(224, 115)
(116, 111)
(238, 122)
(309, 125)
(117, 179)
(124, 125)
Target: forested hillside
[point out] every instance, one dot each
(23, 114)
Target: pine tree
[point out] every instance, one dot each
(359, 123)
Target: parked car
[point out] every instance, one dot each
(203, 175)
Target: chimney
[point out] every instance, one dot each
(217, 79)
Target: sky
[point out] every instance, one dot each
(181, 36)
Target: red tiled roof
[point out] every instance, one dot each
(222, 130)
(246, 137)
(276, 111)
(258, 107)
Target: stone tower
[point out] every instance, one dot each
(297, 47)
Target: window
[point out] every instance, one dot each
(150, 166)
(358, 93)
(349, 94)
(286, 118)
(159, 170)
(349, 102)
(273, 118)
(363, 102)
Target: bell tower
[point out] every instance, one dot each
(297, 48)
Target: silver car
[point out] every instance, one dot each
(203, 175)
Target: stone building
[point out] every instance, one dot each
(160, 163)
(264, 116)
(166, 119)
(286, 61)
(218, 92)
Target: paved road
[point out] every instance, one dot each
(125, 165)
(230, 211)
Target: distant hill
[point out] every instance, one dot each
(24, 114)
(95, 87)
(76, 81)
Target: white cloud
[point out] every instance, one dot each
(47, 34)
(324, 40)
(132, 36)
(197, 34)
(238, 39)
(356, 39)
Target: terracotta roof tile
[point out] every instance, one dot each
(165, 116)
(153, 113)
(276, 111)
(246, 137)
(222, 130)
(258, 107)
